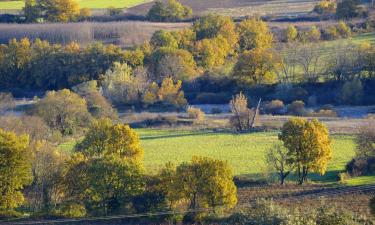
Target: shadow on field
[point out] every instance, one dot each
(187, 134)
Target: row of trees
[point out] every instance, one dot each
(345, 9)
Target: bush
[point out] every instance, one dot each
(171, 11)
(196, 113)
(343, 30)
(331, 33)
(243, 117)
(71, 210)
(324, 113)
(274, 107)
(99, 107)
(216, 110)
(297, 108)
(343, 177)
(351, 92)
(212, 98)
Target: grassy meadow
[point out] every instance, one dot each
(244, 152)
(92, 4)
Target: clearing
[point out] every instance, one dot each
(244, 152)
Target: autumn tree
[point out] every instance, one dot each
(308, 144)
(277, 159)
(254, 33)
(256, 67)
(169, 62)
(15, 169)
(171, 11)
(105, 138)
(63, 110)
(112, 183)
(164, 38)
(123, 85)
(290, 33)
(52, 10)
(206, 182)
(243, 117)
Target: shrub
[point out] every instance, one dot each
(6, 102)
(297, 108)
(212, 98)
(216, 110)
(343, 177)
(63, 110)
(99, 107)
(112, 11)
(331, 33)
(324, 113)
(243, 118)
(71, 210)
(343, 30)
(325, 8)
(196, 113)
(290, 33)
(351, 92)
(274, 107)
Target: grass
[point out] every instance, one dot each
(244, 152)
(92, 4)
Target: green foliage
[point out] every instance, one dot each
(171, 11)
(254, 33)
(347, 9)
(105, 138)
(15, 169)
(63, 110)
(42, 66)
(309, 146)
(105, 185)
(351, 92)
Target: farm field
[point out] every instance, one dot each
(238, 8)
(92, 4)
(244, 152)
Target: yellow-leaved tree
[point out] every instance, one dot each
(15, 168)
(308, 144)
(105, 138)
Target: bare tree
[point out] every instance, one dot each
(243, 118)
(277, 159)
(288, 56)
(309, 59)
(6, 102)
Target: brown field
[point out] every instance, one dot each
(238, 8)
(124, 34)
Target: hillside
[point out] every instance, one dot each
(239, 7)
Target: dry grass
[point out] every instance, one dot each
(124, 34)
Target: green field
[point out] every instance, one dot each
(244, 152)
(92, 4)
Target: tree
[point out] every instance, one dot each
(256, 67)
(277, 159)
(6, 102)
(314, 34)
(211, 53)
(31, 11)
(351, 92)
(176, 63)
(242, 115)
(15, 168)
(325, 8)
(347, 9)
(105, 185)
(46, 190)
(213, 26)
(308, 144)
(254, 33)
(59, 10)
(206, 182)
(291, 33)
(123, 86)
(63, 110)
(164, 38)
(105, 138)
(171, 11)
